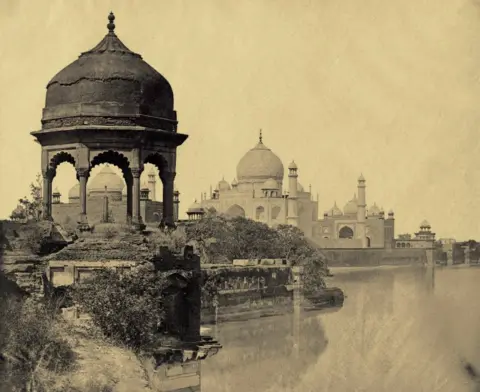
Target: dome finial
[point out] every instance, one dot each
(111, 25)
(260, 138)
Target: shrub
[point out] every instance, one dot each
(127, 307)
(30, 344)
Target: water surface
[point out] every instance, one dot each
(401, 329)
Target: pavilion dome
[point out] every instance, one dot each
(351, 207)
(270, 184)
(223, 185)
(374, 210)
(195, 208)
(111, 81)
(106, 178)
(335, 211)
(260, 164)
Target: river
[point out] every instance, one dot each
(400, 329)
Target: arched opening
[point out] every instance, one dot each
(159, 172)
(64, 178)
(403, 245)
(236, 210)
(260, 213)
(369, 242)
(346, 233)
(275, 212)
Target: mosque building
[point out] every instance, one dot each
(109, 184)
(259, 193)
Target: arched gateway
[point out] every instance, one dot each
(110, 106)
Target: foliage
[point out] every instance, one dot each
(127, 307)
(29, 344)
(34, 237)
(30, 208)
(221, 239)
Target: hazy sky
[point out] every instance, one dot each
(387, 88)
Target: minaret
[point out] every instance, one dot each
(292, 217)
(361, 206)
(152, 184)
(176, 204)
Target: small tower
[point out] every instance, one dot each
(144, 192)
(176, 204)
(361, 206)
(389, 230)
(56, 196)
(152, 182)
(292, 217)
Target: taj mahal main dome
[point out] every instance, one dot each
(260, 164)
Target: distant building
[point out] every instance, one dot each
(107, 183)
(259, 193)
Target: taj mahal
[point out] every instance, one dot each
(258, 192)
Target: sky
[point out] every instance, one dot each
(389, 89)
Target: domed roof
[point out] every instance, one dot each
(335, 211)
(425, 224)
(351, 207)
(293, 166)
(195, 208)
(109, 79)
(374, 210)
(56, 191)
(270, 184)
(74, 192)
(106, 178)
(234, 182)
(223, 185)
(258, 164)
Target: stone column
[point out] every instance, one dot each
(136, 216)
(82, 174)
(47, 195)
(168, 179)
(129, 185)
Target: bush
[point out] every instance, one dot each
(29, 344)
(127, 307)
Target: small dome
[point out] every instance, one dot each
(374, 210)
(223, 185)
(144, 187)
(56, 192)
(106, 178)
(270, 184)
(258, 164)
(335, 211)
(74, 192)
(234, 182)
(109, 79)
(195, 208)
(391, 213)
(361, 178)
(293, 166)
(351, 207)
(300, 187)
(425, 225)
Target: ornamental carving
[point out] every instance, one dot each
(147, 122)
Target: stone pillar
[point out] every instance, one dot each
(297, 306)
(129, 185)
(82, 174)
(47, 195)
(292, 217)
(168, 179)
(136, 216)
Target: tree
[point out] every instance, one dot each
(30, 208)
